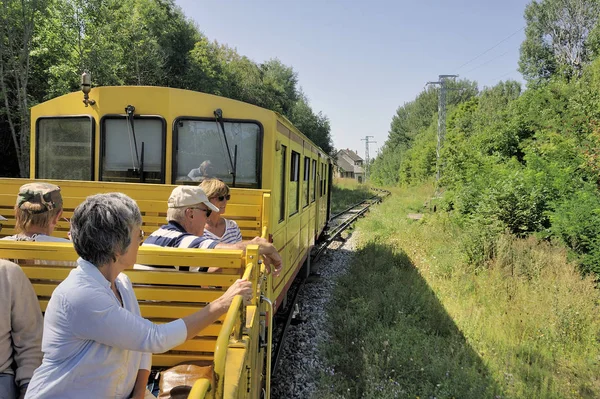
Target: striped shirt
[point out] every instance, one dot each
(232, 234)
(174, 235)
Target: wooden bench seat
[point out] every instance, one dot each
(163, 295)
(246, 207)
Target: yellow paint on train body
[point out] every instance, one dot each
(286, 175)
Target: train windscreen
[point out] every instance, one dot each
(200, 151)
(64, 148)
(133, 152)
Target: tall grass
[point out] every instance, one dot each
(347, 192)
(414, 319)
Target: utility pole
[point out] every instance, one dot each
(441, 131)
(367, 142)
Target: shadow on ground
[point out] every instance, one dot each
(390, 337)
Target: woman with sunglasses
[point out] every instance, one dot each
(217, 227)
(226, 232)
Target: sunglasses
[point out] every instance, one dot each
(223, 197)
(208, 211)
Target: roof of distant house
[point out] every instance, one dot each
(354, 156)
(347, 162)
(345, 165)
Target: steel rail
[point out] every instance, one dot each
(351, 207)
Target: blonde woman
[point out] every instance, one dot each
(217, 227)
(227, 232)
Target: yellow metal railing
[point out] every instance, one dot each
(235, 319)
(199, 389)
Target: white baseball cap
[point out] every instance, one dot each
(187, 196)
(2, 218)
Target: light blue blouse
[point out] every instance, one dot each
(92, 346)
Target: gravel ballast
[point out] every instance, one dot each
(300, 364)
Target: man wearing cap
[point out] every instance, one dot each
(37, 212)
(188, 210)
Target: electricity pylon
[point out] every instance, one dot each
(367, 141)
(441, 131)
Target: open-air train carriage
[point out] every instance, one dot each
(144, 140)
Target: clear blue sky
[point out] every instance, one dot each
(358, 61)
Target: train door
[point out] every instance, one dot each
(294, 210)
(318, 217)
(279, 199)
(314, 205)
(306, 227)
(329, 184)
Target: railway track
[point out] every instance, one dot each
(337, 224)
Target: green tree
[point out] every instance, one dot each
(315, 126)
(17, 29)
(279, 86)
(398, 161)
(561, 37)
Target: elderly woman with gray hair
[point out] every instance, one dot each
(95, 342)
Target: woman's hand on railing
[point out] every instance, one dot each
(240, 287)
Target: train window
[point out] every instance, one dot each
(65, 148)
(200, 150)
(306, 182)
(126, 151)
(294, 189)
(283, 191)
(313, 193)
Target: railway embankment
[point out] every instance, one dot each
(409, 316)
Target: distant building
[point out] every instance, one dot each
(349, 165)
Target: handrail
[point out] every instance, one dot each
(269, 347)
(266, 210)
(199, 389)
(231, 319)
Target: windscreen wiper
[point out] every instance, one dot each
(233, 162)
(129, 110)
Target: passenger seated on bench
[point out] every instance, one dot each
(37, 212)
(95, 343)
(217, 227)
(187, 213)
(21, 326)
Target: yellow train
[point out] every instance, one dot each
(142, 141)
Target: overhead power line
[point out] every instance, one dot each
(487, 62)
(491, 48)
(507, 73)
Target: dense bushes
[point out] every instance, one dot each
(520, 163)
